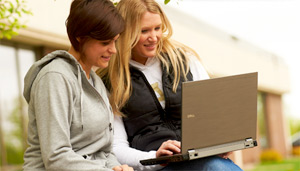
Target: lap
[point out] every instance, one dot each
(212, 163)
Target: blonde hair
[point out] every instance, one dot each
(117, 74)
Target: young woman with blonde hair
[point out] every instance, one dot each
(145, 85)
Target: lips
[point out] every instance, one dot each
(150, 46)
(107, 58)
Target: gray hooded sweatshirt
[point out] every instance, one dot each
(70, 120)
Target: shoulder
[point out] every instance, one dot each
(196, 67)
(60, 66)
(58, 72)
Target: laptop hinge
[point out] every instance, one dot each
(223, 148)
(249, 142)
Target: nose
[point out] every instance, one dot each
(152, 37)
(112, 49)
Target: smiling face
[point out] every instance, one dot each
(150, 35)
(98, 52)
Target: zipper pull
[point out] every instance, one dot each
(110, 127)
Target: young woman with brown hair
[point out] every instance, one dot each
(70, 118)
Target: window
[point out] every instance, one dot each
(262, 130)
(15, 60)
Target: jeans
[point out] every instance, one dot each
(212, 163)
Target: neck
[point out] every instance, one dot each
(140, 60)
(79, 58)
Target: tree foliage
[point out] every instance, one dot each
(167, 1)
(14, 138)
(11, 12)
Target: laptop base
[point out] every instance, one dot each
(203, 152)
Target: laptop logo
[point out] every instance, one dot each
(190, 116)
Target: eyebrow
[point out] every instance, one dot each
(149, 27)
(110, 40)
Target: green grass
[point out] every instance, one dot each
(292, 164)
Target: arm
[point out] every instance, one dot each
(53, 98)
(125, 153)
(112, 161)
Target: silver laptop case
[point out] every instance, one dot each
(219, 115)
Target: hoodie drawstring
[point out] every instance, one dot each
(81, 92)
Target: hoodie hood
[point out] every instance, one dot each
(40, 64)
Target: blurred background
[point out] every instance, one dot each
(231, 37)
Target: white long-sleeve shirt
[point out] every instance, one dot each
(153, 72)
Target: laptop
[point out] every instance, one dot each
(219, 115)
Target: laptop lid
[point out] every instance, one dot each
(218, 115)
(218, 111)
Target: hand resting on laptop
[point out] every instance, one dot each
(168, 148)
(225, 155)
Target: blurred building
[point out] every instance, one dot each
(221, 53)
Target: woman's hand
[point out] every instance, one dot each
(123, 168)
(225, 155)
(168, 148)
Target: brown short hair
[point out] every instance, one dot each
(96, 19)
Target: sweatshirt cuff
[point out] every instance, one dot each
(112, 161)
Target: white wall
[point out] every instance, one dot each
(47, 24)
(224, 55)
(220, 53)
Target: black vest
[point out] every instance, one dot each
(147, 124)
